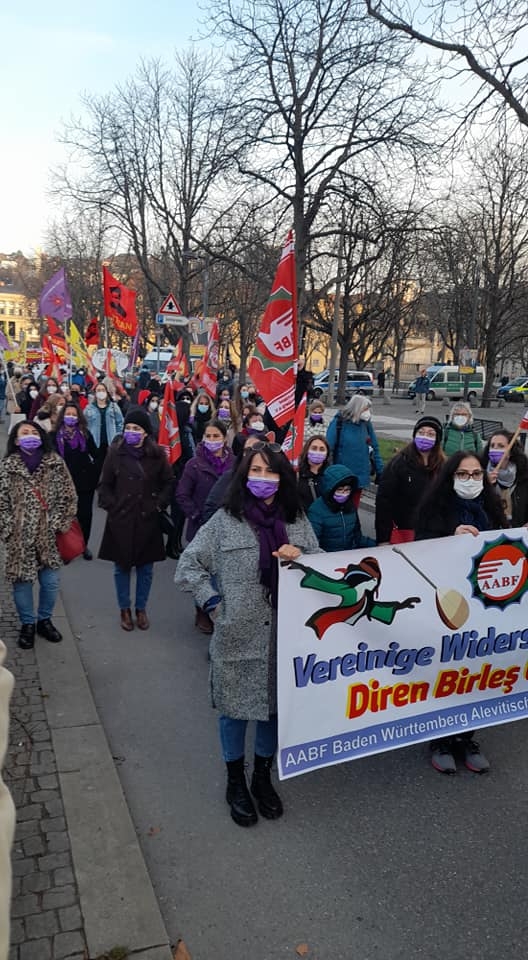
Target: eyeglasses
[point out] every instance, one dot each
(466, 475)
(263, 445)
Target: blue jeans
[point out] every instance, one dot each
(233, 737)
(143, 585)
(23, 596)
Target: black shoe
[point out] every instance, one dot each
(46, 629)
(268, 801)
(26, 637)
(237, 795)
(88, 555)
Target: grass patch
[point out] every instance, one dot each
(116, 953)
(388, 447)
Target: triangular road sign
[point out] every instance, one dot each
(170, 307)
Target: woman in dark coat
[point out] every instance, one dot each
(405, 481)
(333, 515)
(314, 460)
(136, 484)
(460, 501)
(75, 444)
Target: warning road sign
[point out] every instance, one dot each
(170, 307)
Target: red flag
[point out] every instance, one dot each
(169, 431)
(91, 336)
(524, 422)
(272, 368)
(109, 365)
(50, 359)
(294, 439)
(57, 338)
(119, 304)
(206, 371)
(179, 363)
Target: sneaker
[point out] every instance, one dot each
(26, 637)
(473, 758)
(442, 758)
(46, 629)
(88, 555)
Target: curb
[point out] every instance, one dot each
(116, 894)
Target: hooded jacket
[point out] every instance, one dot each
(336, 525)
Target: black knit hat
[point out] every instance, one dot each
(140, 417)
(429, 422)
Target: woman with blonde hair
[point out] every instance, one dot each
(49, 412)
(202, 413)
(315, 425)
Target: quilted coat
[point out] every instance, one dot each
(243, 668)
(27, 528)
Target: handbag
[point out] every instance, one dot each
(400, 535)
(70, 544)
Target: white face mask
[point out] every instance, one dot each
(257, 425)
(33, 394)
(153, 406)
(64, 388)
(366, 415)
(468, 489)
(51, 389)
(100, 394)
(460, 420)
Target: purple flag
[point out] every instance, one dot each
(4, 342)
(55, 300)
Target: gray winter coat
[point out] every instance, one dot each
(243, 671)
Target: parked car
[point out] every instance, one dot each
(358, 381)
(447, 381)
(514, 391)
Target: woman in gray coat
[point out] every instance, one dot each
(241, 546)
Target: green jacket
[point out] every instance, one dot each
(466, 439)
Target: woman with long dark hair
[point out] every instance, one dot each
(460, 501)
(37, 500)
(240, 547)
(75, 444)
(314, 460)
(511, 481)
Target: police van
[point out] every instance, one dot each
(357, 381)
(447, 381)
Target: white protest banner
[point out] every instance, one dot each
(386, 647)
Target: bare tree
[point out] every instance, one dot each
(319, 88)
(485, 37)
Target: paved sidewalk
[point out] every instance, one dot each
(47, 922)
(81, 887)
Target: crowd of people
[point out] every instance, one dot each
(231, 503)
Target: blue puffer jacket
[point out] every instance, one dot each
(355, 440)
(335, 525)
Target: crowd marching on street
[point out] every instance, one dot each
(71, 438)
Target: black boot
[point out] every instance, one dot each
(268, 800)
(238, 796)
(46, 629)
(26, 637)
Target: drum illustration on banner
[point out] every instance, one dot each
(386, 661)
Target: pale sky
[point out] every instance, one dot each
(51, 53)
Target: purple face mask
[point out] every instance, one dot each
(213, 445)
(70, 421)
(424, 443)
(316, 417)
(262, 488)
(133, 438)
(315, 456)
(495, 456)
(224, 414)
(29, 443)
(341, 497)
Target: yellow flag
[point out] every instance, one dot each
(78, 347)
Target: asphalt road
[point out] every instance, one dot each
(375, 858)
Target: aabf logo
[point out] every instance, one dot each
(500, 573)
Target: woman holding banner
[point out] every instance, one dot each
(460, 501)
(511, 480)
(240, 547)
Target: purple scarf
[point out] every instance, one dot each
(32, 460)
(73, 436)
(267, 522)
(219, 464)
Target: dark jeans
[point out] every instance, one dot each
(84, 513)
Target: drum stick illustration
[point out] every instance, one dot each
(452, 607)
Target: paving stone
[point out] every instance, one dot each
(29, 828)
(58, 842)
(35, 846)
(53, 824)
(18, 934)
(24, 906)
(36, 882)
(22, 867)
(62, 876)
(70, 918)
(33, 811)
(65, 944)
(42, 925)
(54, 860)
(42, 796)
(49, 782)
(36, 950)
(54, 808)
(61, 897)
